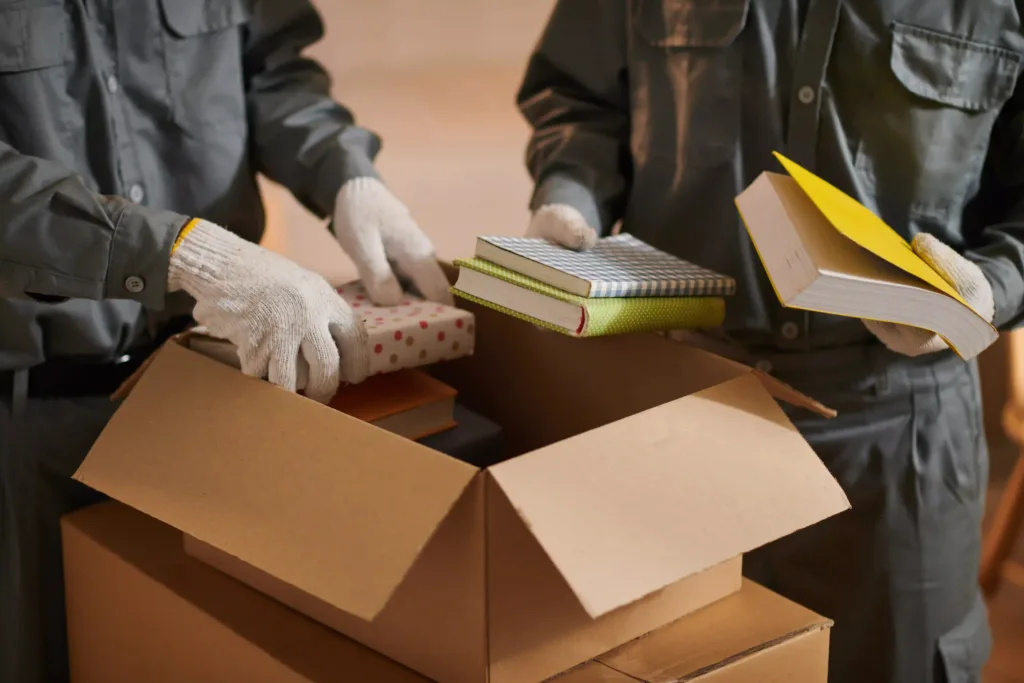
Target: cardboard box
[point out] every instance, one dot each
(647, 468)
(752, 636)
(140, 609)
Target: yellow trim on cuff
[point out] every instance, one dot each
(184, 233)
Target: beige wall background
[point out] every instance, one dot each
(437, 81)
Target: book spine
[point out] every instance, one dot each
(662, 288)
(654, 314)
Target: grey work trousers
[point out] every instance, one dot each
(40, 448)
(898, 573)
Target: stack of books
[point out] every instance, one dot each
(620, 286)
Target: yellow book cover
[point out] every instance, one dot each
(826, 252)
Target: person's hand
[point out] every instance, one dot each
(963, 275)
(283, 319)
(563, 225)
(375, 230)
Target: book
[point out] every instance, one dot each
(621, 266)
(544, 305)
(415, 333)
(825, 252)
(408, 403)
(412, 334)
(474, 440)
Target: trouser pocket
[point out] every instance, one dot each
(964, 649)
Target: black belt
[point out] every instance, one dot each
(71, 378)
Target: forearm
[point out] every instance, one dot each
(574, 97)
(1001, 259)
(998, 248)
(303, 138)
(59, 240)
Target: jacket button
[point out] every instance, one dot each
(764, 366)
(134, 284)
(806, 94)
(136, 193)
(790, 331)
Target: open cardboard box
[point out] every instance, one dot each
(646, 469)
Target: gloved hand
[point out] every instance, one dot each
(278, 314)
(373, 228)
(563, 225)
(963, 275)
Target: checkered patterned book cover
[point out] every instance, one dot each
(622, 266)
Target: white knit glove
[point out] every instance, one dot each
(563, 225)
(963, 275)
(277, 314)
(374, 228)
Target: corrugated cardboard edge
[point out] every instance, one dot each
(126, 387)
(593, 672)
(750, 652)
(823, 625)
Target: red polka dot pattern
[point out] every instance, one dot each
(392, 331)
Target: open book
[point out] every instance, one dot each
(825, 252)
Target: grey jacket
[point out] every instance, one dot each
(118, 121)
(658, 112)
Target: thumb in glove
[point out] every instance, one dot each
(963, 275)
(375, 229)
(562, 225)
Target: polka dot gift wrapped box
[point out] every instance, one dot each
(413, 333)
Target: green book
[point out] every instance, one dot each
(523, 297)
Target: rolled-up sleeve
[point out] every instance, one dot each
(574, 96)
(303, 139)
(59, 240)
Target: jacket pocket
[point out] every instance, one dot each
(189, 18)
(203, 49)
(34, 52)
(927, 130)
(32, 38)
(687, 76)
(964, 650)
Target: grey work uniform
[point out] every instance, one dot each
(118, 120)
(658, 112)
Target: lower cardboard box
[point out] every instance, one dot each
(141, 609)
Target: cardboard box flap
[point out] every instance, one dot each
(787, 394)
(636, 505)
(329, 504)
(720, 351)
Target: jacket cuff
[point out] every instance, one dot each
(1007, 287)
(352, 158)
(140, 254)
(561, 189)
